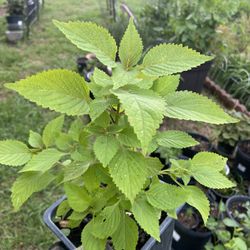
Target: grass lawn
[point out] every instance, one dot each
(46, 48)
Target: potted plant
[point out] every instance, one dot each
(15, 20)
(227, 234)
(238, 209)
(113, 193)
(190, 232)
(228, 136)
(243, 158)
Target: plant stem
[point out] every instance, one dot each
(117, 113)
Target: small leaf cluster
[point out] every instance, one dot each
(105, 165)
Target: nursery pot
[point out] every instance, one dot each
(188, 239)
(70, 242)
(243, 159)
(193, 79)
(231, 204)
(15, 22)
(225, 149)
(191, 151)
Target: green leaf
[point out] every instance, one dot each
(60, 90)
(76, 128)
(35, 140)
(89, 241)
(192, 106)
(101, 78)
(145, 111)
(64, 142)
(131, 47)
(52, 130)
(147, 216)
(105, 148)
(97, 107)
(128, 138)
(43, 161)
(206, 168)
(126, 235)
(62, 209)
(128, 170)
(27, 184)
(167, 59)
(14, 153)
(165, 196)
(75, 170)
(198, 199)
(166, 85)
(121, 77)
(90, 37)
(106, 223)
(78, 197)
(154, 165)
(175, 139)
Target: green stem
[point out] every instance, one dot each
(117, 116)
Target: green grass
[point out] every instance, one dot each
(45, 49)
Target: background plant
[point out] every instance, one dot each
(192, 23)
(231, 134)
(104, 165)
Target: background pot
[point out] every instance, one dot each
(243, 160)
(191, 151)
(194, 79)
(225, 149)
(166, 231)
(236, 199)
(188, 239)
(15, 23)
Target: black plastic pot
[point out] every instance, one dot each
(193, 79)
(236, 199)
(190, 152)
(166, 232)
(242, 160)
(15, 22)
(188, 239)
(225, 149)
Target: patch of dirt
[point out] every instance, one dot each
(3, 11)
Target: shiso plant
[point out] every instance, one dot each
(105, 166)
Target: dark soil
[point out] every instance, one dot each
(189, 221)
(245, 147)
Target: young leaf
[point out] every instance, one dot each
(206, 169)
(105, 148)
(35, 140)
(192, 106)
(146, 216)
(126, 235)
(78, 197)
(165, 196)
(60, 90)
(89, 241)
(76, 128)
(91, 37)
(144, 109)
(175, 139)
(166, 85)
(131, 47)
(64, 142)
(128, 138)
(97, 107)
(75, 170)
(106, 223)
(101, 78)
(128, 170)
(154, 165)
(168, 59)
(27, 184)
(198, 199)
(52, 130)
(14, 153)
(43, 161)
(121, 77)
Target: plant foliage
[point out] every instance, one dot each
(105, 166)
